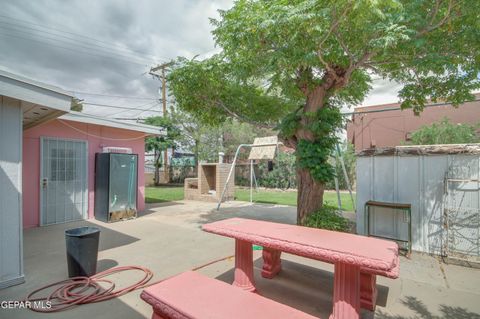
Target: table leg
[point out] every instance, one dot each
(271, 262)
(368, 291)
(346, 292)
(244, 266)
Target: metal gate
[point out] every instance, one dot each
(462, 219)
(63, 180)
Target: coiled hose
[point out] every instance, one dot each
(84, 290)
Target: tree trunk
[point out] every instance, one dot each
(157, 167)
(310, 195)
(310, 191)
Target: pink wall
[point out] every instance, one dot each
(96, 138)
(391, 128)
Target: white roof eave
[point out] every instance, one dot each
(96, 120)
(21, 88)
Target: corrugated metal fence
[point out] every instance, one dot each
(444, 192)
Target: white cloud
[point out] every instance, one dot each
(108, 46)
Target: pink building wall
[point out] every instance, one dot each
(97, 137)
(392, 128)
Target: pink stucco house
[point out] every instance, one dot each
(71, 137)
(47, 162)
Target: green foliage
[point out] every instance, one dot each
(276, 52)
(207, 140)
(348, 154)
(206, 89)
(162, 142)
(157, 144)
(289, 125)
(445, 132)
(327, 217)
(76, 105)
(283, 175)
(314, 154)
(280, 55)
(235, 133)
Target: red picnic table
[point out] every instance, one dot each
(357, 259)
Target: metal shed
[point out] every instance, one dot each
(441, 182)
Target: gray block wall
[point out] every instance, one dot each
(11, 241)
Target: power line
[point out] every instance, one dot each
(151, 106)
(118, 96)
(97, 51)
(119, 107)
(91, 39)
(73, 50)
(76, 42)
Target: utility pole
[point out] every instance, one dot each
(162, 77)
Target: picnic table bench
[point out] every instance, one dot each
(191, 295)
(357, 259)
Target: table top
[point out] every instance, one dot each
(373, 255)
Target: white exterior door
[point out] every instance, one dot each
(63, 180)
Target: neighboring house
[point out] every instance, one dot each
(387, 126)
(28, 126)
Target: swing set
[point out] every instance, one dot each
(266, 148)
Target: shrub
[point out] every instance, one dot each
(327, 217)
(445, 132)
(282, 176)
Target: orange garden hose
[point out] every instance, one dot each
(84, 290)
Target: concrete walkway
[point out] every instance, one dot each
(167, 239)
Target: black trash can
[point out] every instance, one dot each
(82, 250)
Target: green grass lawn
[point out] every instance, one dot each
(289, 197)
(168, 194)
(163, 194)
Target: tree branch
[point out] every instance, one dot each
(435, 11)
(302, 85)
(327, 66)
(335, 24)
(344, 47)
(430, 27)
(241, 118)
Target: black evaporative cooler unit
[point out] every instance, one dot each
(115, 186)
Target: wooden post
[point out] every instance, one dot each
(163, 78)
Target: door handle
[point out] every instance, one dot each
(45, 182)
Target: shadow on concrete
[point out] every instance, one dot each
(421, 311)
(302, 287)
(273, 213)
(104, 264)
(52, 238)
(151, 207)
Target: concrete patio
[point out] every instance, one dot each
(167, 239)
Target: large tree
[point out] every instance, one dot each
(295, 62)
